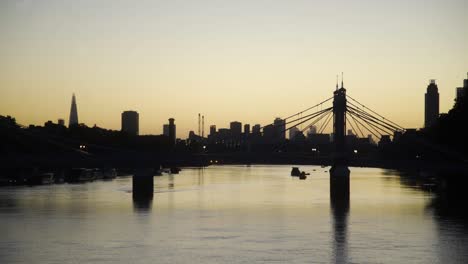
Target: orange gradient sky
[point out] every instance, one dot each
(249, 61)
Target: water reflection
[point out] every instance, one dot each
(170, 185)
(452, 225)
(142, 203)
(142, 189)
(339, 201)
(236, 214)
(448, 209)
(448, 193)
(201, 176)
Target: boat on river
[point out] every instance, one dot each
(303, 175)
(295, 172)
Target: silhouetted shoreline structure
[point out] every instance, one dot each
(56, 144)
(450, 129)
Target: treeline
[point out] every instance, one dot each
(451, 129)
(55, 138)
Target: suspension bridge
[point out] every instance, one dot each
(344, 112)
(339, 112)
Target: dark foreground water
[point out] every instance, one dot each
(232, 214)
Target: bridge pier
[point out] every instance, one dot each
(143, 185)
(339, 182)
(339, 173)
(339, 202)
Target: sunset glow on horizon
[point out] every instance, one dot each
(249, 61)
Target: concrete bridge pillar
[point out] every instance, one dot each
(339, 125)
(143, 184)
(339, 173)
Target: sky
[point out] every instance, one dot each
(243, 60)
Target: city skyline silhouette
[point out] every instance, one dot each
(243, 131)
(325, 126)
(246, 61)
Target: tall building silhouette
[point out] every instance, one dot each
(431, 104)
(73, 113)
(465, 81)
(169, 130)
(280, 128)
(172, 130)
(236, 128)
(246, 129)
(212, 130)
(462, 91)
(270, 134)
(256, 129)
(130, 122)
(293, 132)
(312, 130)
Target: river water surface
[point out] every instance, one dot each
(232, 214)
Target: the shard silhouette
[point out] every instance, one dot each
(73, 113)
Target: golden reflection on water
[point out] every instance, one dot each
(233, 214)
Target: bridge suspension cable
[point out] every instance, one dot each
(372, 111)
(306, 116)
(354, 129)
(319, 114)
(372, 131)
(365, 117)
(302, 117)
(358, 127)
(325, 124)
(325, 113)
(373, 118)
(307, 109)
(370, 126)
(376, 125)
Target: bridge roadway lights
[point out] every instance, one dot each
(143, 184)
(339, 182)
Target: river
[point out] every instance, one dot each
(233, 214)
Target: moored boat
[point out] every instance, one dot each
(303, 176)
(295, 172)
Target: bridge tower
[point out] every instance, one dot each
(339, 123)
(339, 172)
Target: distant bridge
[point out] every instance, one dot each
(344, 110)
(345, 113)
